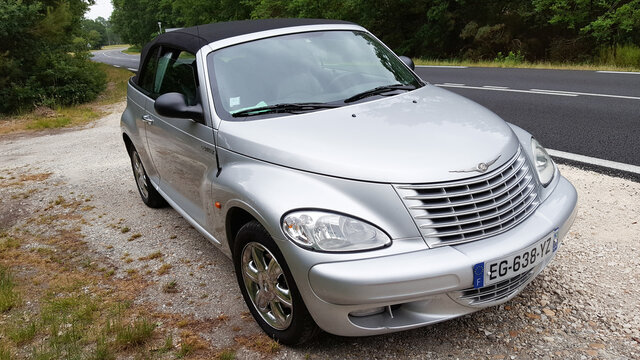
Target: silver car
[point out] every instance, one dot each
(352, 196)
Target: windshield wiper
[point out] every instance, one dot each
(379, 90)
(283, 108)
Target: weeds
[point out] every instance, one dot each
(153, 255)
(135, 334)
(170, 287)
(22, 335)
(164, 269)
(8, 295)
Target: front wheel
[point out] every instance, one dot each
(268, 287)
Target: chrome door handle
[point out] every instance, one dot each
(147, 118)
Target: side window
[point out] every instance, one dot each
(176, 72)
(149, 70)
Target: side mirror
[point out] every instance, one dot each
(175, 105)
(407, 61)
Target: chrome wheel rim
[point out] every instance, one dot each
(267, 286)
(141, 177)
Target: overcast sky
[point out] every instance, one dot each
(101, 8)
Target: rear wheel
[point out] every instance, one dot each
(268, 287)
(148, 193)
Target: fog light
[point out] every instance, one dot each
(367, 312)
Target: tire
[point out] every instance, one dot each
(148, 193)
(289, 325)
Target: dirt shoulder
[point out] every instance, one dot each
(585, 305)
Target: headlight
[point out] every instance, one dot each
(544, 165)
(326, 231)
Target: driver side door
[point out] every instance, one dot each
(182, 150)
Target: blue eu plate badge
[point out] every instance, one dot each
(478, 275)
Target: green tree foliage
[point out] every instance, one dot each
(42, 62)
(562, 30)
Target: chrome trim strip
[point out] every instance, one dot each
(472, 180)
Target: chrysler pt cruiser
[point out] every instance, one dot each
(351, 195)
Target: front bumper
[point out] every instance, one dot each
(418, 288)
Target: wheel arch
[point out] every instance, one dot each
(235, 219)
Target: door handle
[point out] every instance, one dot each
(147, 118)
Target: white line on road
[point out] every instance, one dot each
(619, 72)
(589, 94)
(595, 161)
(443, 66)
(494, 87)
(541, 92)
(453, 84)
(116, 65)
(132, 69)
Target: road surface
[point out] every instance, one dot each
(579, 114)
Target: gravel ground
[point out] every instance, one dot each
(586, 304)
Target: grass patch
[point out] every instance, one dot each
(164, 269)
(132, 50)
(135, 334)
(44, 118)
(153, 255)
(170, 287)
(116, 46)
(507, 62)
(226, 355)
(8, 294)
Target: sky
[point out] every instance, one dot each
(101, 8)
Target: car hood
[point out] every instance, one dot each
(425, 135)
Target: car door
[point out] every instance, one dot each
(182, 150)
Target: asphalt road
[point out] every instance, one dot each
(596, 114)
(117, 58)
(582, 112)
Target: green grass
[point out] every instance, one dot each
(133, 50)
(8, 295)
(5, 354)
(135, 334)
(22, 334)
(227, 355)
(116, 46)
(526, 65)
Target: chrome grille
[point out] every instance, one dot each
(475, 208)
(492, 294)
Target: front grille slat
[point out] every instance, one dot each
(475, 201)
(512, 206)
(474, 208)
(469, 191)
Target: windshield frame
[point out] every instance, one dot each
(219, 113)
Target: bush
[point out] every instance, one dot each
(621, 55)
(57, 80)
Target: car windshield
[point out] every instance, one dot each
(312, 68)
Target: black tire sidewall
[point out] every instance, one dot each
(302, 326)
(153, 198)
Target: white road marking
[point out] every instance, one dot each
(619, 72)
(589, 94)
(443, 66)
(595, 161)
(494, 87)
(116, 65)
(453, 84)
(541, 92)
(132, 69)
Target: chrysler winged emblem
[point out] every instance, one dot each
(481, 168)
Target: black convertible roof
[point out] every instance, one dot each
(193, 38)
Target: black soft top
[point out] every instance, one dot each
(193, 38)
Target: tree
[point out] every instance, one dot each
(40, 63)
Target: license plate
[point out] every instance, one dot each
(491, 272)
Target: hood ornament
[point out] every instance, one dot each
(481, 168)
